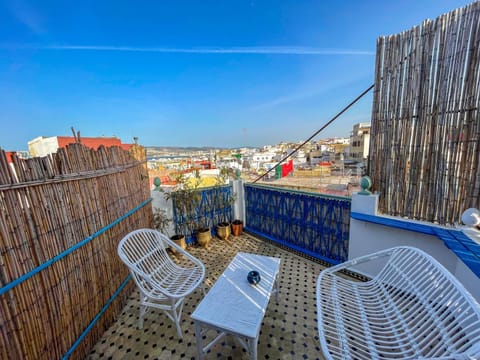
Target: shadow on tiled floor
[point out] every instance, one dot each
(289, 329)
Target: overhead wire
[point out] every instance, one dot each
(318, 131)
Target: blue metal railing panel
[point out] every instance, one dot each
(315, 224)
(212, 206)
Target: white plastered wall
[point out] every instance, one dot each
(366, 238)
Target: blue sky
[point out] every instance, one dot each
(192, 73)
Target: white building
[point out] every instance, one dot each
(300, 157)
(257, 159)
(262, 157)
(229, 163)
(360, 141)
(337, 140)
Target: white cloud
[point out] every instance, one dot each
(272, 50)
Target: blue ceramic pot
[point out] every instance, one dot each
(253, 277)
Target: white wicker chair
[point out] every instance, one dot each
(163, 283)
(412, 309)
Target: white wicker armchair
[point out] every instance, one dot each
(412, 309)
(162, 282)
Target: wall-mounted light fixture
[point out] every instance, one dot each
(471, 217)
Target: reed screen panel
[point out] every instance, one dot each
(425, 135)
(47, 206)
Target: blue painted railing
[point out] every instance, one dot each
(211, 206)
(315, 224)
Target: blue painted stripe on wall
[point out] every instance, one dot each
(469, 244)
(395, 223)
(465, 248)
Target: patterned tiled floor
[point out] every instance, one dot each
(289, 329)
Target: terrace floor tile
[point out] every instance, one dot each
(289, 329)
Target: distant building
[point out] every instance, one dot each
(360, 141)
(300, 157)
(263, 156)
(258, 159)
(9, 156)
(334, 149)
(21, 154)
(42, 146)
(315, 157)
(337, 140)
(229, 163)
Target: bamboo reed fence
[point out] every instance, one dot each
(48, 205)
(425, 135)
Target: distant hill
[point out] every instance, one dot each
(181, 149)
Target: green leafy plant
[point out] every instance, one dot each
(223, 200)
(185, 199)
(196, 209)
(161, 220)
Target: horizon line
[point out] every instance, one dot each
(272, 50)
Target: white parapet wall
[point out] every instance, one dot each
(160, 202)
(367, 237)
(239, 204)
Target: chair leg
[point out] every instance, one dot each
(179, 329)
(176, 318)
(143, 310)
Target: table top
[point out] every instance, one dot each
(235, 305)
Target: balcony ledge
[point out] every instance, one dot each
(465, 243)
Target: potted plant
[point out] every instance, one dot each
(237, 227)
(204, 236)
(223, 230)
(161, 222)
(223, 201)
(186, 199)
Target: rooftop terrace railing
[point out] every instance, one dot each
(212, 206)
(314, 224)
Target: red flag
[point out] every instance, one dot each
(287, 168)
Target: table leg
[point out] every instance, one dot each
(252, 348)
(198, 335)
(277, 287)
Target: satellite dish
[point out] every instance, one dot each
(471, 217)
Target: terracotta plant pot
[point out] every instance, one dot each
(179, 240)
(237, 227)
(223, 230)
(204, 237)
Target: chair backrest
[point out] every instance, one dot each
(426, 280)
(412, 308)
(144, 252)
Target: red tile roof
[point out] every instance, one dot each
(93, 142)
